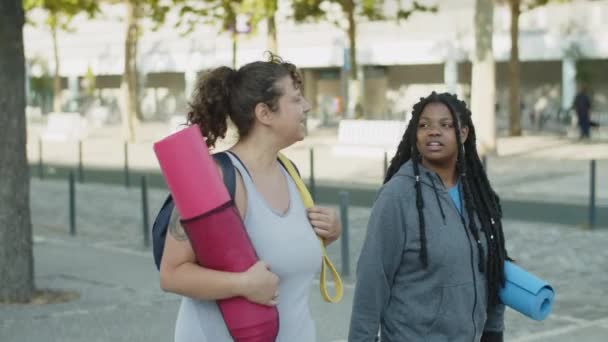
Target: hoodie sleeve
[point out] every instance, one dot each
(378, 263)
(493, 330)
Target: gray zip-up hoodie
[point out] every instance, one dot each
(394, 293)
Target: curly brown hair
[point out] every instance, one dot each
(224, 93)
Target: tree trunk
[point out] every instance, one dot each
(514, 72)
(16, 258)
(483, 87)
(130, 111)
(354, 85)
(235, 38)
(272, 35)
(57, 77)
(352, 37)
(271, 7)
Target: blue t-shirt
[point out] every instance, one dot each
(455, 195)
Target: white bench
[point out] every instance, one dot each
(368, 138)
(65, 127)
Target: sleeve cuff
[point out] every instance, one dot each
(492, 336)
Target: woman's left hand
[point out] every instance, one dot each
(325, 222)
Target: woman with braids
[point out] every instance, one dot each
(265, 103)
(432, 261)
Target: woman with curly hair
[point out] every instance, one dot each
(265, 103)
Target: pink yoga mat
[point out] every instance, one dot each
(214, 228)
(232, 251)
(190, 173)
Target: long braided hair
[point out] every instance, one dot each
(479, 197)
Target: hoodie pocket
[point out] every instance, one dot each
(438, 308)
(454, 321)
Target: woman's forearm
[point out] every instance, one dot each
(192, 280)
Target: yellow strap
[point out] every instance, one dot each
(308, 203)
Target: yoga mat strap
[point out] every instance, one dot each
(326, 262)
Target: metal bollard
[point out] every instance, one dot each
(484, 161)
(72, 203)
(126, 154)
(144, 209)
(80, 166)
(313, 188)
(385, 169)
(592, 195)
(344, 238)
(40, 165)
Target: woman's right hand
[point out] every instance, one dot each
(260, 285)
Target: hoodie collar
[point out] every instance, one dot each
(430, 179)
(427, 177)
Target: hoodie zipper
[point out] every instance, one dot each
(474, 276)
(471, 252)
(428, 174)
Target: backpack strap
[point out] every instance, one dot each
(228, 172)
(326, 264)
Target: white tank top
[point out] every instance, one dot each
(286, 242)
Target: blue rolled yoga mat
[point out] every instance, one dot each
(526, 293)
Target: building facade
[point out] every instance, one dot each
(398, 62)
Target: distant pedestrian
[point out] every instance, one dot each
(582, 106)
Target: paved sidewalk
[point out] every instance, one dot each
(121, 301)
